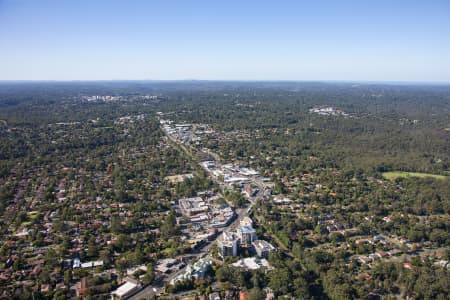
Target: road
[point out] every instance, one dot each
(157, 288)
(203, 251)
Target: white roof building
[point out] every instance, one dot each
(228, 244)
(252, 263)
(191, 206)
(197, 270)
(236, 179)
(125, 290)
(92, 264)
(263, 248)
(247, 235)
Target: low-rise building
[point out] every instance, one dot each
(214, 296)
(76, 263)
(196, 271)
(252, 263)
(192, 206)
(165, 265)
(92, 264)
(223, 218)
(129, 288)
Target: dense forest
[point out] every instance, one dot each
(87, 178)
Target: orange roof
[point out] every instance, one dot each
(243, 295)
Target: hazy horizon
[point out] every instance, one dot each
(363, 82)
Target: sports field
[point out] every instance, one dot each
(395, 174)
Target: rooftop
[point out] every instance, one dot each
(252, 263)
(263, 245)
(124, 289)
(246, 229)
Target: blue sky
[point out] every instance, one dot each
(231, 40)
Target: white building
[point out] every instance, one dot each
(126, 290)
(233, 180)
(252, 263)
(195, 271)
(228, 244)
(76, 263)
(248, 172)
(192, 206)
(92, 264)
(263, 248)
(247, 235)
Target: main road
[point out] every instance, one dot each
(157, 288)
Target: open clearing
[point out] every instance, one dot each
(395, 174)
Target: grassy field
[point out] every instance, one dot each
(395, 174)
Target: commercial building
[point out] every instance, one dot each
(252, 263)
(233, 180)
(247, 235)
(263, 248)
(126, 290)
(196, 271)
(192, 206)
(228, 244)
(223, 217)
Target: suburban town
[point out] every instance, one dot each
(166, 205)
(224, 150)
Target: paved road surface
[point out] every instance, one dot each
(157, 288)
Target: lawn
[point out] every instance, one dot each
(395, 174)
